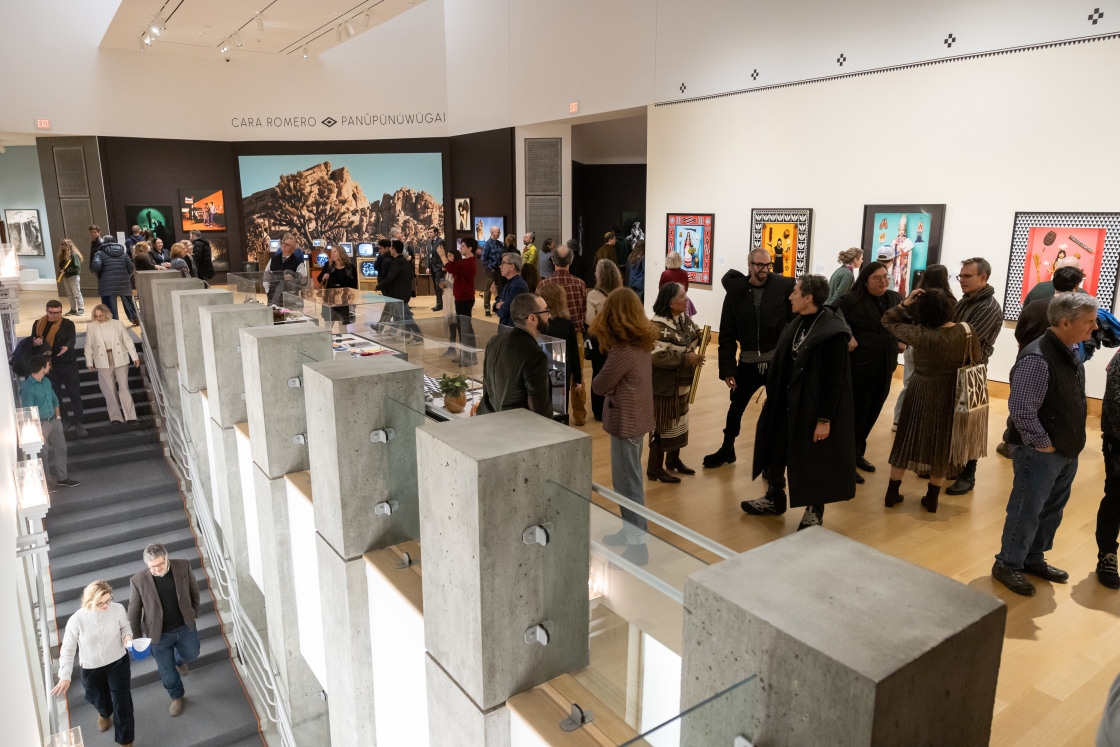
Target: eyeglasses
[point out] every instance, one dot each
(543, 312)
(760, 265)
(965, 276)
(104, 603)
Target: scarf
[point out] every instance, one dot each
(41, 325)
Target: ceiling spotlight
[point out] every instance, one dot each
(155, 29)
(237, 39)
(141, 43)
(366, 19)
(225, 48)
(160, 23)
(305, 52)
(260, 24)
(350, 29)
(148, 39)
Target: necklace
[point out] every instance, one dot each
(800, 338)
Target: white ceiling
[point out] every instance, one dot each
(202, 27)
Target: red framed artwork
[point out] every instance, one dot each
(691, 235)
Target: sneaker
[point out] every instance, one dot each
(618, 539)
(1106, 570)
(1046, 571)
(1014, 580)
(864, 465)
(771, 504)
(74, 313)
(81, 430)
(68, 483)
(1004, 451)
(725, 455)
(813, 517)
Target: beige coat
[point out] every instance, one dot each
(102, 337)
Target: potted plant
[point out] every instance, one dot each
(454, 390)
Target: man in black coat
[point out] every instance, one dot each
(755, 311)
(807, 422)
(396, 282)
(203, 256)
(435, 266)
(515, 371)
(53, 336)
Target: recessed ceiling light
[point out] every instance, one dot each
(350, 29)
(305, 52)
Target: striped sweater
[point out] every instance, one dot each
(626, 380)
(982, 312)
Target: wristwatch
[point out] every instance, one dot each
(824, 421)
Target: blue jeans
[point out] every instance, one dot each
(126, 301)
(626, 479)
(174, 648)
(1034, 510)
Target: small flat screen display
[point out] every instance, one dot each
(274, 245)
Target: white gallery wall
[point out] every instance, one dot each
(1031, 131)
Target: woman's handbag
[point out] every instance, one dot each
(970, 411)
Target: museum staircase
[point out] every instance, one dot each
(129, 497)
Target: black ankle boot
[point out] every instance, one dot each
(929, 502)
(893, 498)
(725, 455)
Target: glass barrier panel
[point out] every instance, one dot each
(719, 720)
(635, 591)
(403, 479)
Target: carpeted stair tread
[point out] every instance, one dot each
(80, 521)
(254, 741)
(98, 537)
(144, 421)
(66, 589)
(123, 455)
(130, 551)
(94, 415)
(107, 444)
(95, 398)
(103, 486)
(64, 610)
(213, 657)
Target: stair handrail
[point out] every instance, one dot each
(251, 650)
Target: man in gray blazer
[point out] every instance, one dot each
(163, 606)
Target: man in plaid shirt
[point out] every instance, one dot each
(575, 291)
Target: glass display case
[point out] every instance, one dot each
(344, 310)
(268, 289)
(455, 346)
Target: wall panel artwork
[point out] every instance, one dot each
(159, 219)
(785, 234)
(463, 214)
(907, 237)
(25, 232)
(202, 210)
(1041, 242)
(692, 235)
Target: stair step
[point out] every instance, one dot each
(66, 589)
(101, 414)
(106, 536)
(99, 428)
(90, 518)
(123, 455)
(94, 398)
(101, 486)
(110, 442)
(65, 610)
(130, 551)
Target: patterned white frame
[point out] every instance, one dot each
(1024, 222)
(801, 217)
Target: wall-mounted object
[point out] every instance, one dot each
(462, 213)
(25, 232)
(692, 236)
(786, 235)
(202, 210)
(906, 238)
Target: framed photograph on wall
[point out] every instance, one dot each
(905, 237)
(1043, 242)
(202, 210)
(462, 214)
(159, 219)
(785, 233)
(219, 252)
(691, 235)
(482, 228)
(25, 232)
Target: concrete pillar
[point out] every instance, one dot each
(165, 320)
(273, 356)
(453, 718)
(221, 356)
(852, 647)
(144, 296)
(483, 482)
(347, 400)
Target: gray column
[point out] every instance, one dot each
(351, 475)
(144, 296)
(483, 482)
(271, 357)
(221, 356)
(453, 718)
(851, 647)
(165, 319)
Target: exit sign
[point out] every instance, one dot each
(42, 124)
(573, 108)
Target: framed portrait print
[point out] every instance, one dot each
(785, 234)
(691, 235)
(482, 228)
(25, 232)
(202, 210)
(159, 219)
(1043, 242)
(907, 238)
(462, 214)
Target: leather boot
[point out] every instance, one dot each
(673, 462)
(655, 468)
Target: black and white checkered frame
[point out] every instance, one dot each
(1024, 222)
(800, 217)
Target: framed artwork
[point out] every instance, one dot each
(159, 219)
(1040, 241)
(219, 252)
(785, 233)
(907, 238)
(25, 232)
(462, 214)
(482, 228)
(202, 210)
(691, 235)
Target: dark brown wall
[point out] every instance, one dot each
(151, 171)
(600, 194)
(483, 169)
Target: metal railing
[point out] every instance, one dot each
(250, 649)
(679, 529)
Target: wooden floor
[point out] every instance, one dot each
(1062, 647)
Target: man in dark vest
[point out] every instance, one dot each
(755, 311)
(1046, 434)
(286, 265)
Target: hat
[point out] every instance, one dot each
(885, 254)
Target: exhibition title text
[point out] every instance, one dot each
(345, 120)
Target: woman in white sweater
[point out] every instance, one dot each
(100, 630)
(108, 350)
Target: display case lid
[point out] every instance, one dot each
(344, 297)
